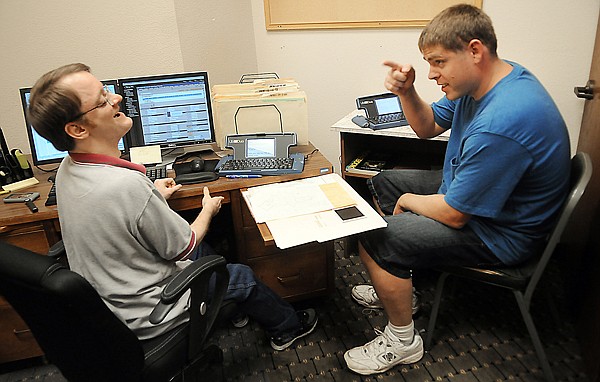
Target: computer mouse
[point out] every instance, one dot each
(197, 165)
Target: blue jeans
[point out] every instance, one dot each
(412, 241)
(255, 299)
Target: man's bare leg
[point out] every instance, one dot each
(394, 293)
(398, 343)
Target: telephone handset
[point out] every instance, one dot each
(383, 111)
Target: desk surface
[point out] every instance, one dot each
(345, 125)
(188, 197)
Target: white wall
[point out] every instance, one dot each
(553, 39)
(218, 37)
(118, 39)
(139, 37)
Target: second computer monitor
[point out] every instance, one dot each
(171, 110)
(42, 151)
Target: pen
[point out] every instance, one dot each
(242, 176)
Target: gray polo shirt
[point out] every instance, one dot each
(121, 235)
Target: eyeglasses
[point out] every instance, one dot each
(106, 95)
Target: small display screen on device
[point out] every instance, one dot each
(260, 148)
(387, 105)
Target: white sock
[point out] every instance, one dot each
(404, 334)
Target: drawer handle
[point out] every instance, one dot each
(19, 332)
(284, 280)
(6, 228)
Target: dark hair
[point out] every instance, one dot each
(456, 26)
(52, 106)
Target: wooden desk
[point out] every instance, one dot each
(297, 273)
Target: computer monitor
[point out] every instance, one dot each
(42, 151)
(173, 110)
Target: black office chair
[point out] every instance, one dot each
(87, 342)
(523, 279)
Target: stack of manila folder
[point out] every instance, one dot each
(265, 106)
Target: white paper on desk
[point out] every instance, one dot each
(284, 200)
(295, 230)
(145, 154)
(325, 225)
(321, 227)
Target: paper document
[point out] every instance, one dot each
(336, 194)
(303, 211)
(145, 154)
(289, 199)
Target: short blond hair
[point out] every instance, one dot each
(456, 26)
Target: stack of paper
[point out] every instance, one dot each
(303, 211)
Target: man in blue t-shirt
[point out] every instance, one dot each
(505, 177)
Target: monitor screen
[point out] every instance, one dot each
(388, 105)
(42, 151)
(171, 110)
(260, 148)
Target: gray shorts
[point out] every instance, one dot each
(412, 241)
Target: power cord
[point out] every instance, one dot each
(307, 156)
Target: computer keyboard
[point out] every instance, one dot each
(156, 172)
(258, 163)
(294, 164)
(51, 200)
(385, 121)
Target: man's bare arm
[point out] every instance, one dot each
(400, 81)
(434, 207)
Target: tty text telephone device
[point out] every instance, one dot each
(382, 111)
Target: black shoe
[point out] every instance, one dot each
(308, 321)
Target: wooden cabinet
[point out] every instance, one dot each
(406, 149)
(32, 236)
(17, 341)
(296, 273)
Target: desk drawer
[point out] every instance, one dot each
(31, 236)
(17, 341)
(194, 201)
(295, 273)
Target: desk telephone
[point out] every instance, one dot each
(383, 111)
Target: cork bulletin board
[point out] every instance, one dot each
(324, 14)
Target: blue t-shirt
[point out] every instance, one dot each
(507, 163)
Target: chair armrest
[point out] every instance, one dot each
(195, 275)
(57, 251)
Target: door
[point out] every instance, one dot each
(585, 227)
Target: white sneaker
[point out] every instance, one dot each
(366, 296)
(383, 353)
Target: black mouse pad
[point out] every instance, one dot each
(186, 167)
